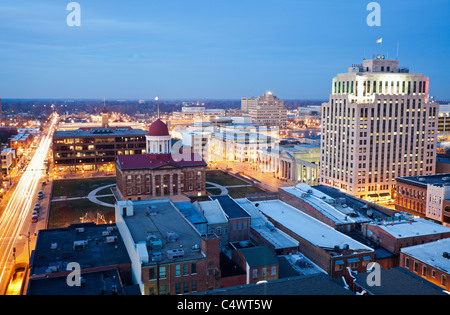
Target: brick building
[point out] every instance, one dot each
(425, 196)
(430, 261)
(157, 173)
(258, 262)
(168, 255)
(405, 231)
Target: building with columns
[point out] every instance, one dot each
(296, 163)
(162, 172)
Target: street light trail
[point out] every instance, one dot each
(19, 206)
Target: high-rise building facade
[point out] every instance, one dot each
(266, 109)
(378, 125)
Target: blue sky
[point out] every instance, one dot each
(202, 49)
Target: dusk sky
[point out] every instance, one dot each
(211, 49)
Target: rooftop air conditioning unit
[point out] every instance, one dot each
(80, 230)
(156, 256)
(175, 253)
(111, 239)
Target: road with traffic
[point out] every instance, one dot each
(16, 219)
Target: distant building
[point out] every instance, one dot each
(266, 109)
(7, 158)
(95, 148)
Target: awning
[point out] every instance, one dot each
(373, 195)
(339, 262)
(367, 258)
(353, 260)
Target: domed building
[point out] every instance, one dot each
(163, 171)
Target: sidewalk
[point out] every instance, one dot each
(268, 181)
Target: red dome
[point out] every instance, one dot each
(158, 128)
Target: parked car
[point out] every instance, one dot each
(38, 206)
(34, 219)
(40, 195)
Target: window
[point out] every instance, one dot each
(194, 286)
(264, 272)
(443, 280)
(185, 269)
(178, 288)
(177, 270)
(274, 271)
(255, 273)
(193, 268)
(186, 287)
(162, 272)
(407, 262)
(162, 290)
(151, 274)
(415, 266)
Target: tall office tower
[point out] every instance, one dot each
(378, 125)
(266, 109)
(267, 99)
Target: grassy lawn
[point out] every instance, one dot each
(108, 199)
(80, 187)
(241, 192)
(64, 213)
(223, 179)
(214, 191)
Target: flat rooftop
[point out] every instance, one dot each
(308, 228)
(158, 218)
(424, 180)
(232, 209)
(55, 248)
(411, 227)
(334, 209)
(260, 224)
(99, 132)
(317, 284)
(399, 281)
(213, 212)
(431, 254)
(105, 282)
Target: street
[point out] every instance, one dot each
(16, 227)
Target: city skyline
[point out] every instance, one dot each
(231, 50)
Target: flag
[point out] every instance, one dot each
(380, 41)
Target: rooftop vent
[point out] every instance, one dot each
(175, 253)
(445, 179)
(111, 239)
(54, 246)
(79, 230)
(172, 236)
(446, 255)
